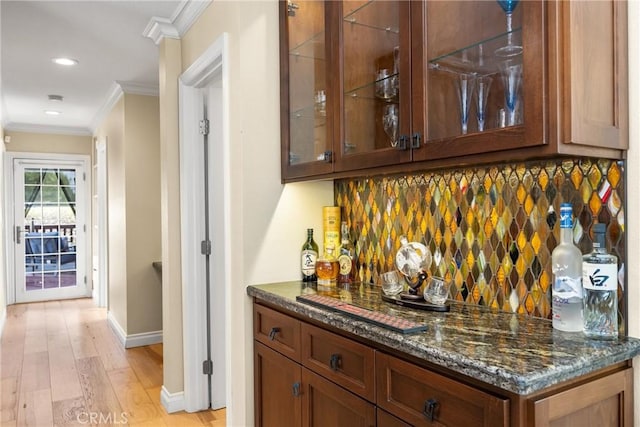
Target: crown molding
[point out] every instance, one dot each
(47, 129)
(160, 28)
(115, 92)
(136, 88)
(185, 15)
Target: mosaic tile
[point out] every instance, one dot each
(491, 230)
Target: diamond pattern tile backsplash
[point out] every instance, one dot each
(490, 229)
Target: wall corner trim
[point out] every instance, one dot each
(133, 340)
(172, 402)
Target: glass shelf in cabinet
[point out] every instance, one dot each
(479, 58)
(312, 48)
(372, 16)
(385, 89)
(309, 113)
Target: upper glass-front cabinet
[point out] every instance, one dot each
(304, 86)
(479, 66)
(371, 85)
(375, 84)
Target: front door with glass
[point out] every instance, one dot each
(49, 230)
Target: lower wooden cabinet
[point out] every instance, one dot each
(308, 376)
(287, 394)
(606, 401)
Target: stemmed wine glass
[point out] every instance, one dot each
(511, 71)
(465, 83)
(483, 84)
(508, 6)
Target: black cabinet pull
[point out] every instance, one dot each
(273, 332)
(403, 143)
(334, 361)
(429, 410)
(296, 389)
(415, 140)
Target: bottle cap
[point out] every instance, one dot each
(566, 212)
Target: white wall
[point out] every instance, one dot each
(633, 201)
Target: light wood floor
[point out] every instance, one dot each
(61, 364)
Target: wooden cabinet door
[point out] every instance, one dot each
(326, 404)
(423, 398)
(278, 387)
(457, 45)
(589, 96)
(374, 79)
(306, 94)
(605, 402)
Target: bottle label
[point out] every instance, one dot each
(309, 258)
(600, 277)
(566, 287)
(566, 220)
(345, 264)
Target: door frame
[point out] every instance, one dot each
(9, 191)
(211, 67)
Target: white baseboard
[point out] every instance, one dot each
(3, 319)
(172, 402)
(133, 340)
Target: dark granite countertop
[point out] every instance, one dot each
(514, 352)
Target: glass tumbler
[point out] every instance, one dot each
(391, 283)
(436, 290)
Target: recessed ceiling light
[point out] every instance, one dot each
(52, 112)
(65, 61)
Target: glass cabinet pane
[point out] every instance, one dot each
(308, 132)
(475, 67)
(371, 73)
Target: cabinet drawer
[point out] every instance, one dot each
(345, 362)
(277, 330)
(424, 398)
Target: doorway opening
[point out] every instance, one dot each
(205, 201)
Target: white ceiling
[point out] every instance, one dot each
(106, 37)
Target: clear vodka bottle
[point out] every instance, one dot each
(566, 265)
(600, 281)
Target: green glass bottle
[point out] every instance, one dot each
(309, 255)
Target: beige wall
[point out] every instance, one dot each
(112, 130)
(132, 132)
(3, 283)
(633, 202)
(142, 186)
(170, 68)
(49, 143)
(268, 220)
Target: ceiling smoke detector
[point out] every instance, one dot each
(55, 97)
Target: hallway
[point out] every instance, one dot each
(61, 364)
